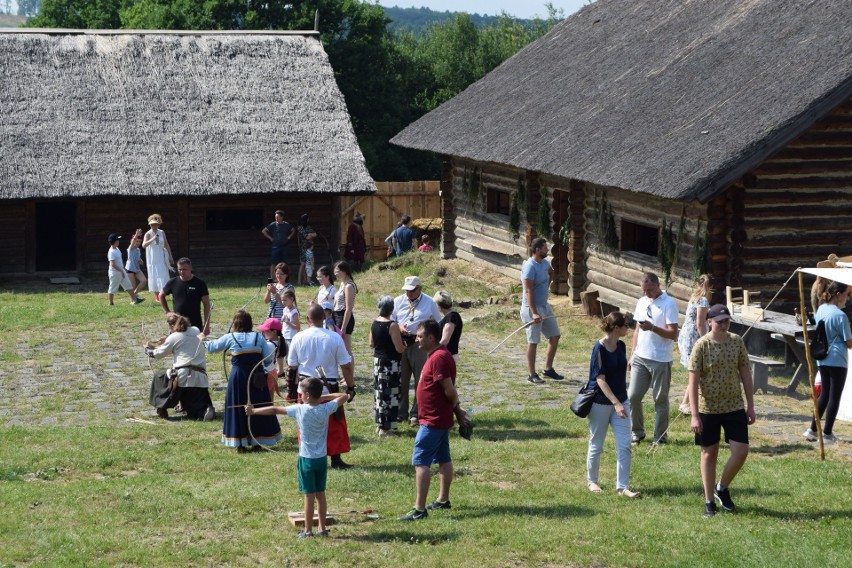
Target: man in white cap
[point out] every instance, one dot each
(411, 309)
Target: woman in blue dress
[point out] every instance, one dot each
(247, 349)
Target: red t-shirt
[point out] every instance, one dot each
(434, 409)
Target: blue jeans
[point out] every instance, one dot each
(600, 418)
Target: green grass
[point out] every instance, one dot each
(106, 492)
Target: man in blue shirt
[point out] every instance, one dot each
(403, 236)
(279, 234)
(535, 278)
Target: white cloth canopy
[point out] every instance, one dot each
(843, 275)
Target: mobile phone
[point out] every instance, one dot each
(269, 280)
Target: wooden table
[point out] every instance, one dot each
(783, 327)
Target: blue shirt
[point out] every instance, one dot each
(313, 427)
(539, 273)
(404, 236)
(242, 342)
(837, 333)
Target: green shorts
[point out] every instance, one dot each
(312, 474)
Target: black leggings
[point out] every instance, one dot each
(833, 380)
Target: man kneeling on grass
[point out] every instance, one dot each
(718, 374)
(437, 402)
(312, 421)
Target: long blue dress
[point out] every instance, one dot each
(247, 349)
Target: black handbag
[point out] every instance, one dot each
(582, 404)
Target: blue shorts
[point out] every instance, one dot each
(279, 254)
(313, 473)
(432, 445)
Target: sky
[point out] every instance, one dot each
(519, 8)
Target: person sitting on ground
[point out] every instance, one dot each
(425, 247)
(312, 418)
(189, 369)
(116, 273)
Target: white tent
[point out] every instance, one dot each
(843, 275)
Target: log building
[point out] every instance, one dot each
(657, 135)
(212, 130)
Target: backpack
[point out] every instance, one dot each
(819, 342)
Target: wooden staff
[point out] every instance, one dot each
(802, 310)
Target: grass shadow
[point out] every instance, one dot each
(779, 449)
(425, 536)
(799, 515)
(543, 511)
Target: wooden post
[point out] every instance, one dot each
(810, 366)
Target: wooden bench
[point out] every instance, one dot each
(760, 371)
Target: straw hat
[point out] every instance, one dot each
(155, 218)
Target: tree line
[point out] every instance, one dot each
(388, 78)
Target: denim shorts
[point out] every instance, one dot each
(432, 445)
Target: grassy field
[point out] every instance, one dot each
(106, 492)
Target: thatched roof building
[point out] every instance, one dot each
(139, 117)
(663, 106)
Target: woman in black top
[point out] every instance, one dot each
(386, 341)
(451, 324)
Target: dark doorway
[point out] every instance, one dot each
(56, 236)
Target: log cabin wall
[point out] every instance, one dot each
(797, 209)
(617, 274)
(14, 239)
(185, 221)
(483, 193)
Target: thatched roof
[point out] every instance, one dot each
(669, 97)
(172, 113)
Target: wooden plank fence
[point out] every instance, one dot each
(382, 211)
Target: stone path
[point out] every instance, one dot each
(49, 382)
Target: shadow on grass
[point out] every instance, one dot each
(779, 449)
(424, 536)
(543, 511)
(799, 515)
(501, 429)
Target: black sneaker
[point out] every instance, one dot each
(535, 379)
(439, 505)
(305, 534)
(709, 508)
(552, 374)
(415, 515)
(723, 496)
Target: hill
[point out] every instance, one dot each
(416, 19)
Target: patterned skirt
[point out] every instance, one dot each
(386, 389)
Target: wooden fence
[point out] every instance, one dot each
(382, 211)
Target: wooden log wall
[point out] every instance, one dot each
(185, 220)
(796, 209)
(13, 237)
(486, 237)
(448, 209)
(617, 277)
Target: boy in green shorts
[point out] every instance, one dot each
(312, 420)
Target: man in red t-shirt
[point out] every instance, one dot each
(437, 402)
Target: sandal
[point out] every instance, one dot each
(628, 493)
(594, 487)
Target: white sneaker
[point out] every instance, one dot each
(810, 435)
(829, 438)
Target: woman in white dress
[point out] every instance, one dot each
(694, 326)
(158, 255)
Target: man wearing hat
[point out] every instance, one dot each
(411, 309)
(117, 275)
(718, 374)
